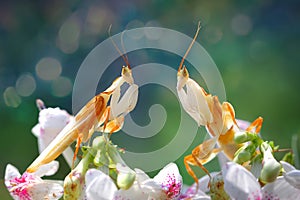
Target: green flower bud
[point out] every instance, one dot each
(125, 180)
(241, 137)
(271, 168)
(244, 154)
(270, 171)
(242, 157)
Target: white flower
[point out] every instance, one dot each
(51, 122)
(30, 186)
(291, 174)
(240, 184)
(165, 185)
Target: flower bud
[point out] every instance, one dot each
(270, 171)
(242, 157)
(125, 180)
(244, 154)
(126, 176)
(243, 136)
(271, 168)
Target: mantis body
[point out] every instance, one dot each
(105, 112)
(206, 110)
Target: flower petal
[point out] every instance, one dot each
(204, 182)
(170, 180)
(99, 185)
(47, 169)
(46, 190)
(133, 193)
(242, 124)
(287, 166)
(293, 178)
(280, 189)
(141, 175)
(239, 183)
(11, 172)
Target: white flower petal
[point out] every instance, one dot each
(293, 178)
(242, 124)
(11, 172)
(204, 182)
(280, 189)
(51, 122)
(36, 130)
(46, 190)
(141, 175)
(47, 169)
(152, 188)
(99, 185)
(170, 180)
(133, 193)
(287, 166)
(122, 168)
(190, 192)
(239, 183)
(170, 169)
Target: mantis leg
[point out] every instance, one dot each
(257, 124)
(79, 140)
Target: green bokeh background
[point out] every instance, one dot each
(255, 46)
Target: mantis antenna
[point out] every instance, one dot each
(125, 58)
(188, 50)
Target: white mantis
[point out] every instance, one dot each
(105, 113)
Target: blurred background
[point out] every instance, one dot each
(43, 43)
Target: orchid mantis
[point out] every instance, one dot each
(206, 110)
(105, 113)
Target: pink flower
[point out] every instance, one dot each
(30, 186)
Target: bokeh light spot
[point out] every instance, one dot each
(213, 34)
(11, 97)
(241, 24)
(68, 35)
(135, 24)
(25, 85)
(153, 34)
(48, 68)
(62, 86)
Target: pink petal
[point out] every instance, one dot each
(280, 189)
(170, 180)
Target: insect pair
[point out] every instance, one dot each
(105, 113)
